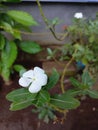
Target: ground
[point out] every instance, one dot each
(83, 118)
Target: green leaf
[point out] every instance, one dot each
(22, 17)
(2, 41)
(51, 114)
(19, 26)
(20, 69)
(50, 52)
(93, 93)
(8, 27)
(64, 101)
(86, 79)
(53, 79)
(9, 54)
(75, 82)
(91, 39)
(5, 73)
(21, 105)
(79, 47)
(20, 94)
(43, 97)
(30, 47)
(73, 92)
(21, 99)
(42, 114)
(14, 31)
(55, 21)
(16, 34)
(8, 57)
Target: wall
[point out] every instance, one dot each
(65, 12)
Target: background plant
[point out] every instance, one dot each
(14, 22)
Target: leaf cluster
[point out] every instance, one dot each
(44, 102)
(13, 22)
(82, 44)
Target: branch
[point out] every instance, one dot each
(48, 25)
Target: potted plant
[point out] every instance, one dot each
(80, 52)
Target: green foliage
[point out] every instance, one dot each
(55, 21)
(2, 42)
(75, 82)
(51, 53)
(8, 56)
(64, 101)
(23, 94)
(53, 79)
(11, 30)
(93, 93)
(19, 68)
(66, 52)
(43, 97)
(21, 98)
(19, 94)
(22, 17)
(83, 53)
(45, 113)
(87, 79)
(74, 92)
(85, 86)
(12, 22)
(30, 47)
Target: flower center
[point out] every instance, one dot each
(33, 78)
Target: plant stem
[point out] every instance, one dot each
(58, 109)
(48, 25)
(64, 73)
(27, 33)
(56, 61)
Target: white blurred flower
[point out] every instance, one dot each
(78, 15)
(34, 79)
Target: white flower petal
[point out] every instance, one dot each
(78, 15)
(29, 74)
(24, 82)
(34, 79)
(34, 87)
(38, 70)
(41, 79)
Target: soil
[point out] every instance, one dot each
(83, 118)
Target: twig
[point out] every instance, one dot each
(27, 33)
(64, 73)
(48, 25)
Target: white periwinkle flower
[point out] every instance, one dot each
(78, 15)
(34, 79)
